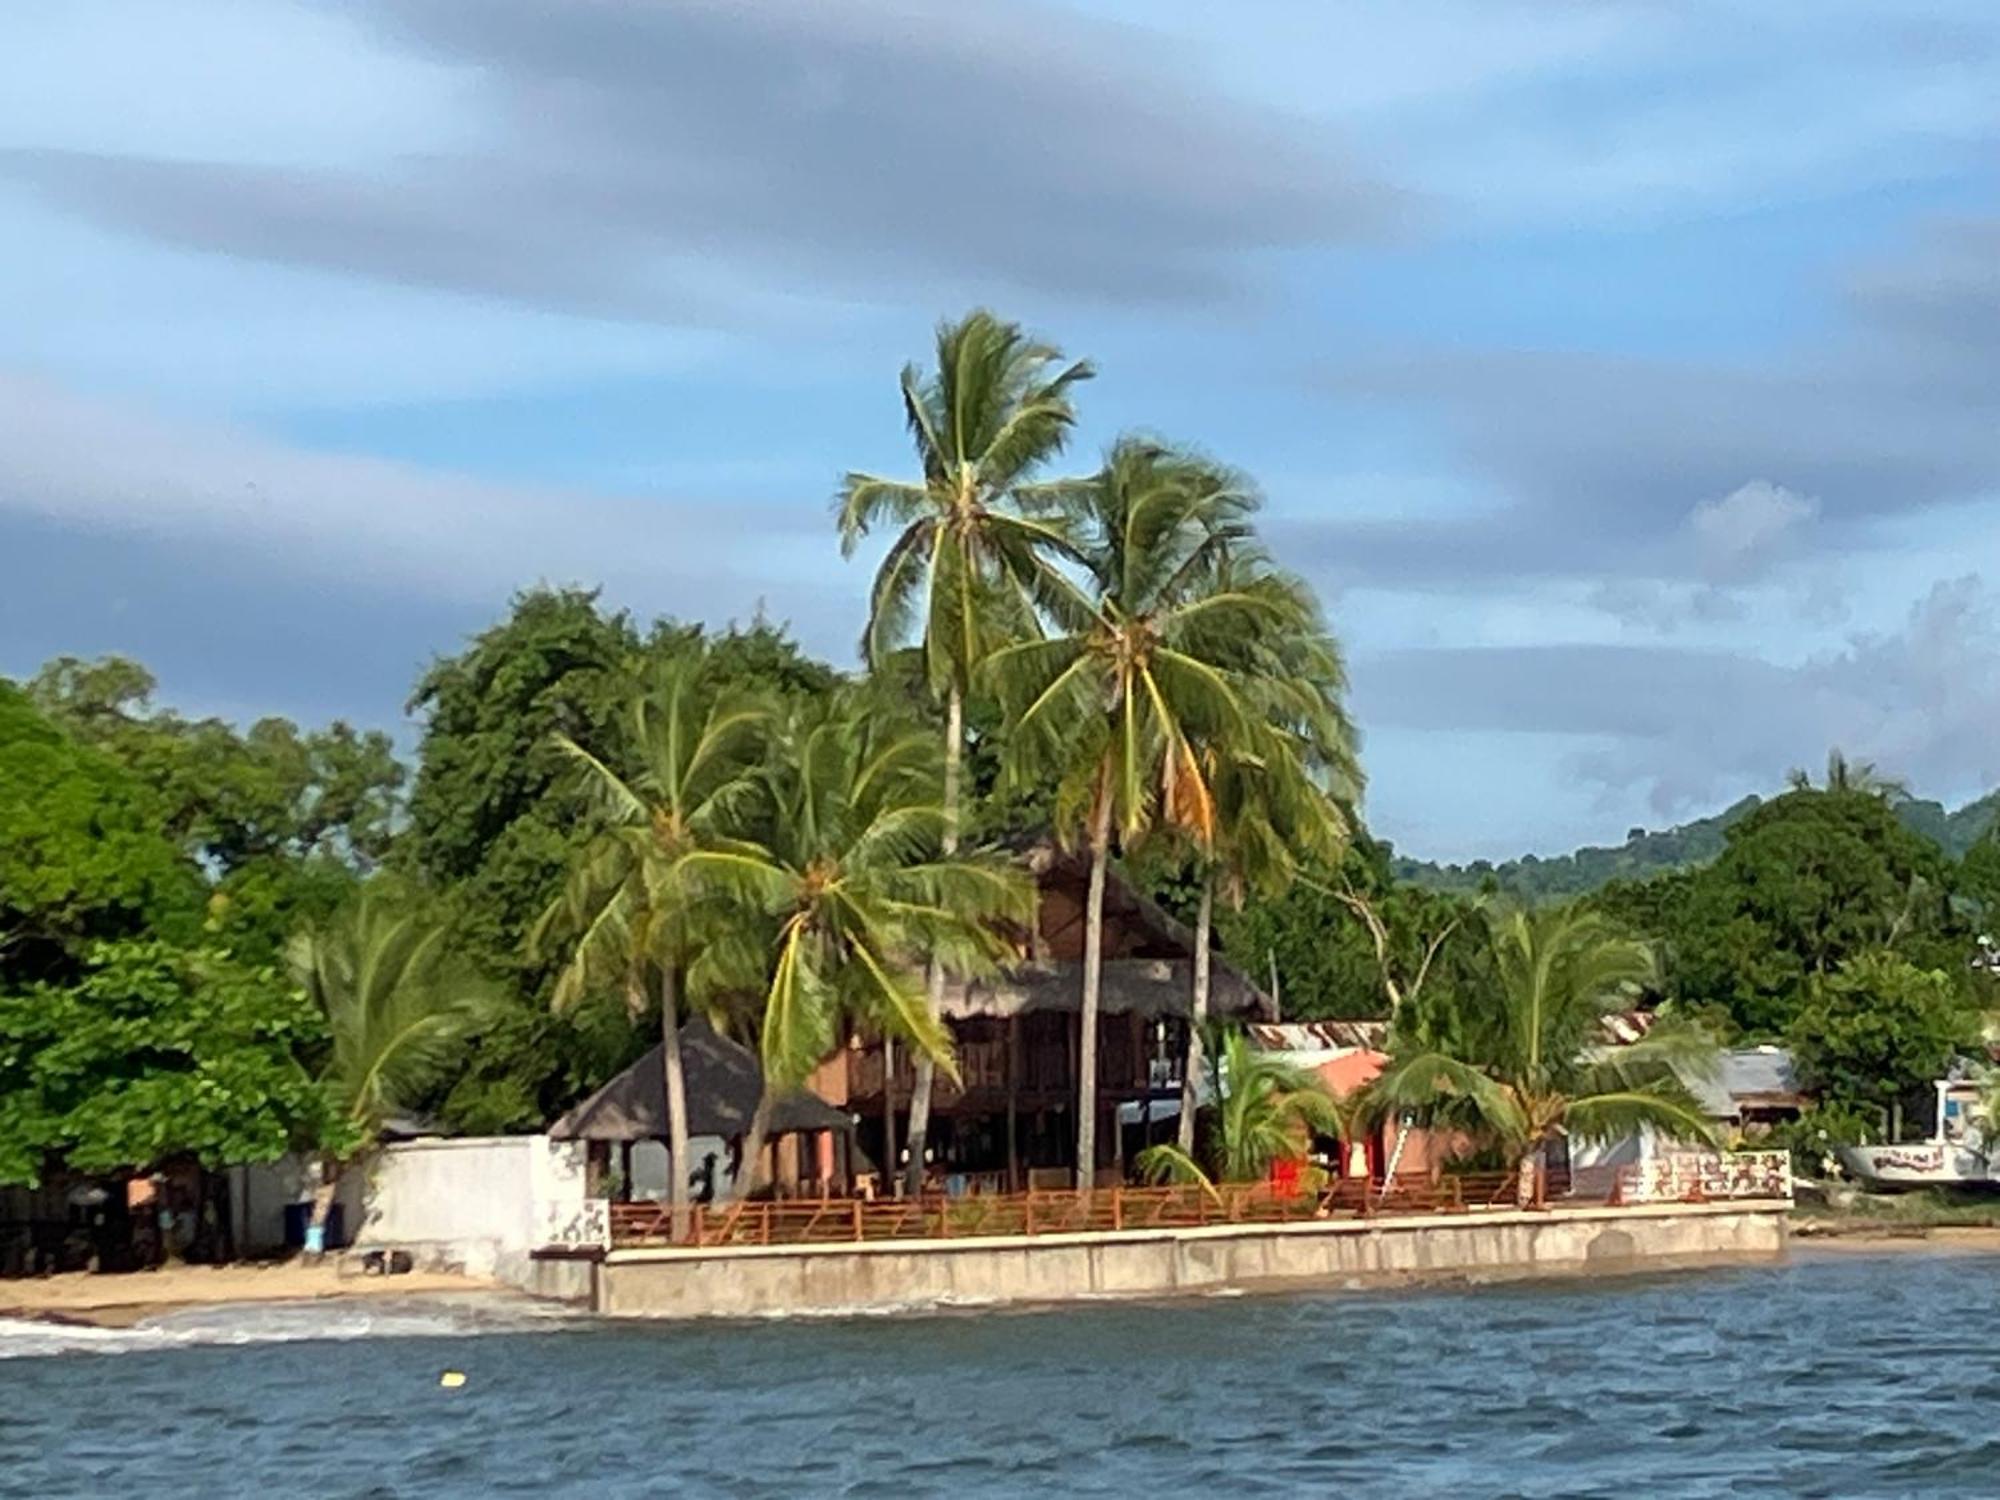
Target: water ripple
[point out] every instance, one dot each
(1833, 1376)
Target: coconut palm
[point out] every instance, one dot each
(1844, 775)
(970, 566)
(400, 1005)
(1265, 1108)
(627, 909)
(1536, 1069)
(855, 894)
(1283, 786)
(1117, 703)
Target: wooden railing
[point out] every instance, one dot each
(934, 1216)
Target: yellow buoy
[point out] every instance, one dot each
(451, 1380)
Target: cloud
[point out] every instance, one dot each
(226, 499)
(1609, 465)
(663, 161)
(1736, 536)
(1690, 726)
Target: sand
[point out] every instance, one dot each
(120, 1300)
(1874, 1237)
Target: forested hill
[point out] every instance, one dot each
(1648, 852)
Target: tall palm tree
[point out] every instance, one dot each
(1272, 812)
(971, 565)
(1537, 1069)
(1265, 1108)
(1117, 703)
(856, 894)
(627, 908)
(400, 1006)
(1283, 784)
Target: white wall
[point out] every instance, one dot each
(474, 1202)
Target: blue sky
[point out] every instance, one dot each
(1622, 373)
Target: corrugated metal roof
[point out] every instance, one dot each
(1317, 1036)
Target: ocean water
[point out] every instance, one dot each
(1837, 1375)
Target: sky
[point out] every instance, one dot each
(1622, 373)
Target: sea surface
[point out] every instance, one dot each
(1847, 1375)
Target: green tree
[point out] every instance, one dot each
(1113, 706)
(495, 822)
(628, 906)
(855, 893)
(156, 1051)
(1809, 881)
(1875, 1034)
(1264, 1109)
(1533, 1068)
(82, 855)
(233, 798)
(400, 1004)
(971, 567)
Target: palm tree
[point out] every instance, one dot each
(855, 894)
(1118, 701)
(627, 907)
(970, 566)
(1265, 1108)
(1282, 787)
(1536, 1069)
(1844, 775)
(400, 1006)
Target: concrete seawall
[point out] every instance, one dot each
(751, 1281)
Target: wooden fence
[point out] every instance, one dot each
(846, 1221)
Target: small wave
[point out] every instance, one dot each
(445, 1315)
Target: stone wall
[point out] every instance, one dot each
(834, 1278)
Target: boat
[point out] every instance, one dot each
(1961, 1151)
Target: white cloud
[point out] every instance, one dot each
(93, 465)
(1738, 535)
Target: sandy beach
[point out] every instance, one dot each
(118, 1301)
(1877, 1236)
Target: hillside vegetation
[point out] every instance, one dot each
(1648, 852)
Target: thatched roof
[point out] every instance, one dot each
(1149, 986)
(723, 1084)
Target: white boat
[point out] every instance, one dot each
(1958, 1154)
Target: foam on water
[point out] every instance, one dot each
(446, 1314)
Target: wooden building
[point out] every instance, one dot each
(1009, 1121)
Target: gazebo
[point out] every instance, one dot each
(809, 1138)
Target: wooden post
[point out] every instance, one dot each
(1028, 1212)
(700, 1222)
(854, 1213)
(1118, 1207)
(1013, 1104)
(890, 1175)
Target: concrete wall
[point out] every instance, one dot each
(259, 1195)
(473, 1203)
(834, 1278)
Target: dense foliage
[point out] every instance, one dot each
(221, 943)
(157, 1051)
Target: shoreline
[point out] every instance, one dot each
(87, 1299)
(1877, 1235)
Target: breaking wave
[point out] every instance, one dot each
(453, 1315)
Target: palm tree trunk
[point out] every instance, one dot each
(1197, 1015)
(324, 1192)
(1093, 977)
(678, 1150)
(753, 1145)
(920, 1092)
(1527, 1172)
